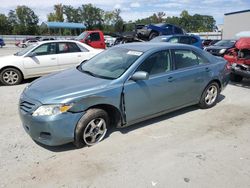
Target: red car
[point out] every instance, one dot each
(93, 38)
(239, 59)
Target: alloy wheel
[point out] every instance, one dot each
(10, 77)
(94, 131)
(211, 95)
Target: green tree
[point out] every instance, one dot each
(5, 27)
(56, 16)
(72, 14)
(26, 20)
(91, 16)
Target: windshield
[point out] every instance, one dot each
(111, 64)
(159, 39)
(25, 50)
(82, 36)
(226, 43)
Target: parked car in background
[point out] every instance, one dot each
(46, 38)
(121, 86)
(43, 58)
(93, 38)
(213, 42)
(151, 31)
(239, 59)
(27, 43)
(2, 42)
(206, 42)
(183, 39)
(21, 43)
(109, 41)
(221, 48)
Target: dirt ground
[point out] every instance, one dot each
(187, 148)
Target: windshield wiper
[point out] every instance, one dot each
(88, 72)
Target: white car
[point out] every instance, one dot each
(42, 58)
(27, 43)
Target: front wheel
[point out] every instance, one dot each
(11, 76)
(209, 96)
(91, 128)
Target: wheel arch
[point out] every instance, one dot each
(113, 113)
(217, 81)
(13, 67)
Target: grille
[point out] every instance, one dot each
(26, 106)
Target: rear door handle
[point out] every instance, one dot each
(79, 56)
(170, 79)
(208, 69)
(53, 58)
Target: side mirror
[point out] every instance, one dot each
(31, 54)
(140, 75)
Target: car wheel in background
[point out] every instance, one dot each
(91, 128)
(209, 96)
(11, 76)
(235, 77)
(153, 35)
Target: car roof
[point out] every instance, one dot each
(178, 35)
(65, 40)
(148, 46)
(61, 40)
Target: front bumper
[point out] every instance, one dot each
(237, 69)
(50, 130)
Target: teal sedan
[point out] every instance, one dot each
(119, 87)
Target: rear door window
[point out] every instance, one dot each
(185, 40)
(187, 58)
(68, 47)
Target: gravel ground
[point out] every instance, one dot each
(186, 148)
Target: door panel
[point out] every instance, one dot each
(69, 55)
(44, 62)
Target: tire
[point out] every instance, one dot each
(88, 131)
(153, 35)
(10, 76)
(235, 78)
(209, 96)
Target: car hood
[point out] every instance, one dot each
(217, 47)
(64, 87)
(9, 59)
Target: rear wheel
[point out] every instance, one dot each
(91, 128)
(235, 77)
(11, 76)
(209, 96)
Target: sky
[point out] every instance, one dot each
(137, 9)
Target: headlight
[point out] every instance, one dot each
(48, 110)
(222, 51)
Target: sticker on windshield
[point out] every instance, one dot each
(134, 53)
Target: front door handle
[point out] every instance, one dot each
(53, 58)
